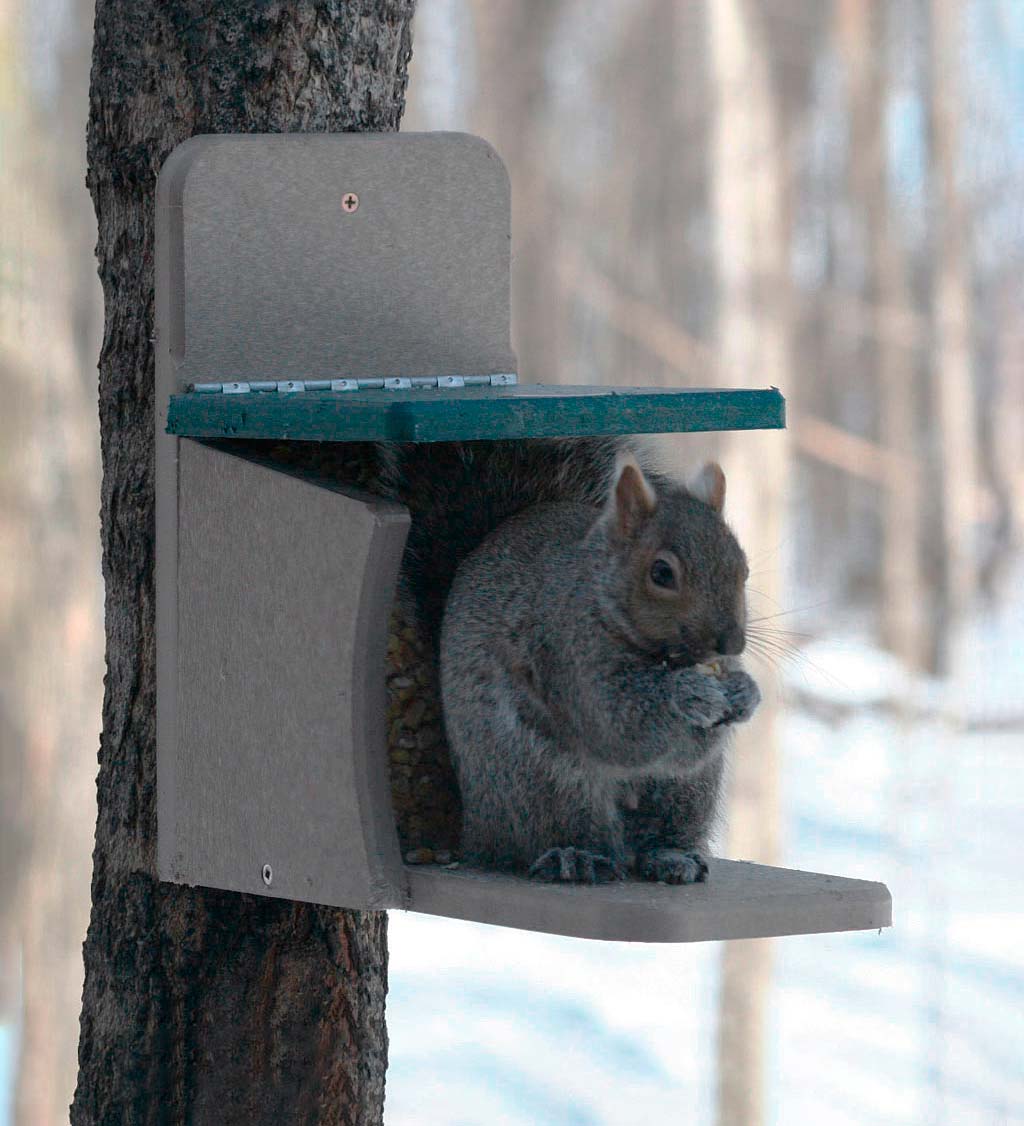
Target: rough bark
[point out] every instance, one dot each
(202, 1006)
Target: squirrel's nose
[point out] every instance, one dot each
(731, 641)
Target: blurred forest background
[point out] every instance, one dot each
(822, 195)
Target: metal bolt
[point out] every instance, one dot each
(349, 202)
(268, 875)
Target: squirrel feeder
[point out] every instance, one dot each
(354, 288)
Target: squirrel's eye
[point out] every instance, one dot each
(662, 574)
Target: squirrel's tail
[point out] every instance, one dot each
(459, 492)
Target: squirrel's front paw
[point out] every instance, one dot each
(674, 866)
(576, 865)
(743, 696)
(701, 698)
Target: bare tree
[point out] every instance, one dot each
(205, 1006)
(862, 42)
(512, 111)
(955, 455)
(750, 215)
(50, 593)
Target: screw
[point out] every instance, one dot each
(268, 875)
(349, 202)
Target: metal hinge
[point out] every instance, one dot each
(397, 383)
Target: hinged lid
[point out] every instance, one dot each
(267, 281)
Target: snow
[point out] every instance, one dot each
(919, 1024)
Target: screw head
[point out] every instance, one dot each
(349, 202)
(268, 875)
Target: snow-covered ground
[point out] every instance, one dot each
(921, 1024)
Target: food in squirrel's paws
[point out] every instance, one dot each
(712, 668)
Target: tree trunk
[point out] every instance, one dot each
(513, 111)
(956, 453)
(203, 1006)
(749, 208)
(862, 41)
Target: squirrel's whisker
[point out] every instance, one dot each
(761, 594)
(766, 631)
(787, 613)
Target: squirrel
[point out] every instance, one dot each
(575, 595)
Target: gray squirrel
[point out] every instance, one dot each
(587, 613)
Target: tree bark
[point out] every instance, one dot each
(203, 1006)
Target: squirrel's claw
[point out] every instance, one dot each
(576, 865)
(674, 866)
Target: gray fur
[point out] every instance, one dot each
(581, 745)
(460, 492)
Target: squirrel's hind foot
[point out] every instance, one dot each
(673, 866)
(576, 865)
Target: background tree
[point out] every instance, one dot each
(200, 1005)
(750, 216)
(50, 589)
(955, 453)
(892, 337)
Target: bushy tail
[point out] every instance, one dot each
(459, 492)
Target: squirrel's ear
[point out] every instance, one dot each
(632, 499)
(709, 486)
